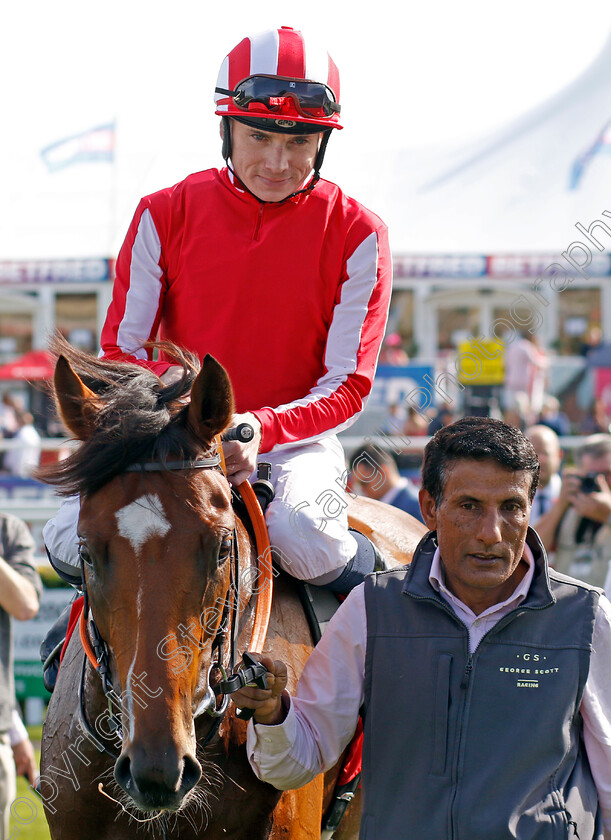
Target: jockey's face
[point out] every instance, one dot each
(272, 165)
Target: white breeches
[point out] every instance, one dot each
(307, 520)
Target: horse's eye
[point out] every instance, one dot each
(225, 548)
(83, 552)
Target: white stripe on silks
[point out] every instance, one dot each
(344, 338)
(264, 53)
(223, 82)
(142, 300)
(316, 58)
(318, 394)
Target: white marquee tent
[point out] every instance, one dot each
(520, 190)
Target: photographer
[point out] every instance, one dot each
(576, 531)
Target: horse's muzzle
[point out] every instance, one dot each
(156, 782)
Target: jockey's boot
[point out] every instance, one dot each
(366, 560)
(321, 600)
(51, 648)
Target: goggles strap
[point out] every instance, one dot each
(321, 152)
(226, 148)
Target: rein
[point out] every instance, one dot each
(96, 650)
(264, 564)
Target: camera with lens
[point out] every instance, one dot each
(589, 483)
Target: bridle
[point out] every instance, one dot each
(96, 649)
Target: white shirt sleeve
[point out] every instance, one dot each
(17, 733)
(596, 711)
(323, 714)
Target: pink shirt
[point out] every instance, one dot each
(323, 713)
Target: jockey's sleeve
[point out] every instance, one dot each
(350, 355)
(139, 281)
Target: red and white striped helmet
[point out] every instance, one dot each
(285, 54)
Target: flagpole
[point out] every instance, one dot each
(113, 198)
(136, 195)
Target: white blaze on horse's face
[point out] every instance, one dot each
(141, 520)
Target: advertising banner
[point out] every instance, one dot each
(406, 385)
(28, 636)
(480, 362)
(603, 386)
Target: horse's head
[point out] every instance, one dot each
(156, 547)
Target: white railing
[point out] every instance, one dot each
(46, 444)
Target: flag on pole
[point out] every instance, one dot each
(601, 145)
(97, 145)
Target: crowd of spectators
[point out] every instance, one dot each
(572, 507)
(22, 456)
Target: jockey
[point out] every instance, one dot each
(280, 276)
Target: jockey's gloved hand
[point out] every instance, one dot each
(241, 458)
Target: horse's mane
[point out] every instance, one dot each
(138, 418)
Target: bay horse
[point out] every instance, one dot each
(144, 747)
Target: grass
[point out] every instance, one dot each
(28, 820)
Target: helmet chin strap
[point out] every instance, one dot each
(320, 155)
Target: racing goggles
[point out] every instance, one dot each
(282, 95)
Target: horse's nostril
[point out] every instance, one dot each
(191, 774)
(123, 774)
(153, 785)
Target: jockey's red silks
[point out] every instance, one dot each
(354, 756)
(75, 614)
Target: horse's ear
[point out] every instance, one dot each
(77, 403)
(211, 403)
